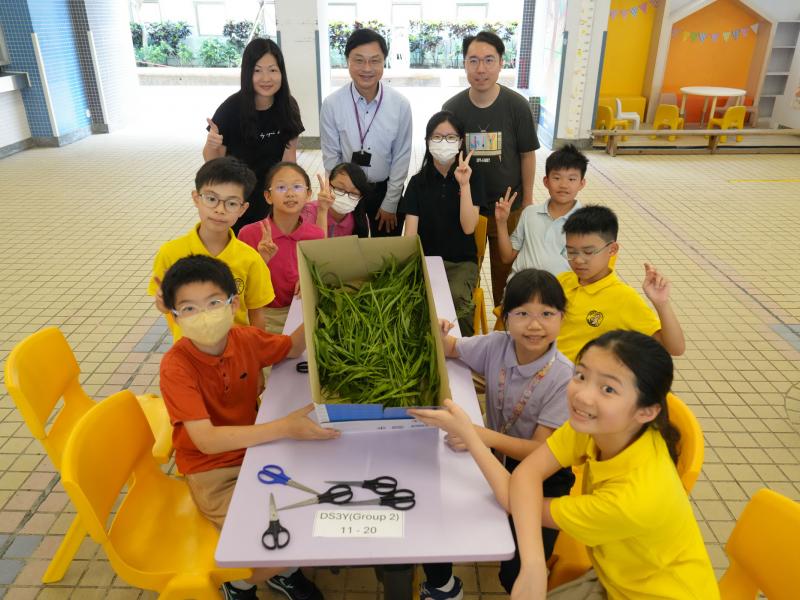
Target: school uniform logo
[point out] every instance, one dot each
(594, 318)
(239, 285)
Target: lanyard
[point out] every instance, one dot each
(363, 135)
(526, 394)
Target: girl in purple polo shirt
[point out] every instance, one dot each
(526, 382)
(347, 215)
(287, 190)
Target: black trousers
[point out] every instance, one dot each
(373, 204)
(558, 484)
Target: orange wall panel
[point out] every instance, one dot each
(627, 49)
(716, 63)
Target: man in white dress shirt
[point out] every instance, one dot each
(369, 123)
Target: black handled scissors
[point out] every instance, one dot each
(272, 539)
(272, 474)
(338, 494)
(380, 485)
(400, 499)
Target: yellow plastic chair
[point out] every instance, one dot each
(157, 540)
(605, 120)
(764, 550)
(40, 371)
(479, 323)
(570, 559)
(732, 119)
(667, 117)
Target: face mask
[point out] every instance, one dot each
(443, 151)
(209, 327)
(342, 203)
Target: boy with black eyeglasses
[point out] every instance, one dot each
(597, 300)
(221, 186)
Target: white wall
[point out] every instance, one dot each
(787, 108)
(781, 10)
(12, 116)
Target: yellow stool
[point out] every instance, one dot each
(667, 117)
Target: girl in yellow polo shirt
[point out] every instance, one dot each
(633, 515)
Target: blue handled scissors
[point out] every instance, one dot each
(273, 474)
(400, 499)
(380, 485)
(338, 494)
(272, 539)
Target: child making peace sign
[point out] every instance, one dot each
(441, 204)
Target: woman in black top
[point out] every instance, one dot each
(441, 204)
(259, 124)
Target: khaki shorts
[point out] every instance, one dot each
(275, 319)
(585, 587)
(212, 491)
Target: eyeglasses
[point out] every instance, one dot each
(585, 254)
(523, 316)
(212, 201)
(452, 137)
(187, 310)
(282, 188)
(372, 62)
(488, 61)
(352, 195)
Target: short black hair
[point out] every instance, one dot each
(226, 169)
(193, 269)
(488, 37)
(365, 36)
(568, 157)
(593, 219)
(533, 284)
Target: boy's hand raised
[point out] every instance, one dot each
(463, 171)
(214, 137)
(656, 287)
(325, 197)
(300, 427)
(266, 247)
(502, 208)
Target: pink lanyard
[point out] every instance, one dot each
(526, 394)
(363, 136)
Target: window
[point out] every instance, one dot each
(150, 12)
(346, 12)
(472, 11)
(403, 12)
(210, 17)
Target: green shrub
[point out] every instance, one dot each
(156, 54)
(170, 32)
(136, 34)
(237, 33)
(215, 53)
(185, 54)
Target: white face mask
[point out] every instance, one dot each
(443, 151)
(209, 327)
(342, 203)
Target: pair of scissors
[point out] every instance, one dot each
(338, 494)
(272, 539)
(380, 485)
(274, 474)
(399, 499)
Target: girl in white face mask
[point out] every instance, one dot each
(349, 188)
(441, 203)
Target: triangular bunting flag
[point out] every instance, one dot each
(686, 36)
(654, 3)
(676, 32)
(735, 34)
(624, 12)
(694, 36)
(743, 31)
(714, 37)
(634, 10)
(643, 7)
(614, 14)
(702, 36)
(726, 35)
(754, 27)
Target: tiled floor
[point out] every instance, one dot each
(82, 223)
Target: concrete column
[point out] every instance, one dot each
(303, 38)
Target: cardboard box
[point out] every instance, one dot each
(353, 259)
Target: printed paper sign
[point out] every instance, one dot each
(359, 523)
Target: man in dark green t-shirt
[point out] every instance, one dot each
(500, 131)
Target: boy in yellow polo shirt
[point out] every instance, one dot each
(597, 301)
(221, 186)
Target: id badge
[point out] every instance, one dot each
(362, 158)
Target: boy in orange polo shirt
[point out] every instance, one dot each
(209, 380)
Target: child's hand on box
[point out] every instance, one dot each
(451, 419)
(656, 287)
(444, 327)
(300, 427)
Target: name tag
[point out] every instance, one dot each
(359, 523)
